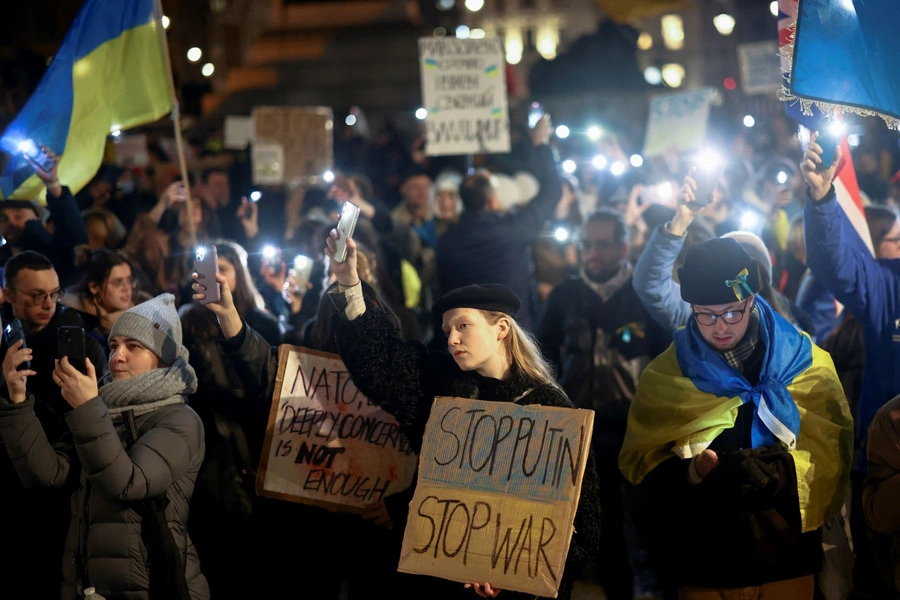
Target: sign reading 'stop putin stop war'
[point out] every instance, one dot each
(464, 94)
(497, 493)
(326, 443)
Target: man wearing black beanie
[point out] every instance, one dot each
(741, 433)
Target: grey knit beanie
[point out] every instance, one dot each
(156, 325)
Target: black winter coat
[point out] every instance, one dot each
(404, 378)
(486, 247)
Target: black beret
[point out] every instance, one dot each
(713, 273)
(491, 296)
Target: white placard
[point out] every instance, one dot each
(268, 164)
(464, 93)
(677, 122)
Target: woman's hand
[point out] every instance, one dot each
(176, 193)
(225, 311)
(16, 381)
(484, 589)
(76, 387)
(346, 273)
(705, 462)
(377, 513)
(818, 179)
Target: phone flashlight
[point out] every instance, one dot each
(255, 196)
(301, 262)
(535, 114)
(328, 176)
(561, 234)
(201, 253)
(269, 252)
(828, 141)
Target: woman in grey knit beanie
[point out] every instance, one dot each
(120, 470)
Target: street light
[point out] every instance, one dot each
(208, 69)
(194, 54)
(474, 5)
(421, 113)
(673, 74)
(749, 121)
(653, 76)
(165, 22)
(462, 32)
(773, 8)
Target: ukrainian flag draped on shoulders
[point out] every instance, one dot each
(690, 394)
(109, 73)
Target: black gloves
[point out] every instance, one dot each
(750, 479)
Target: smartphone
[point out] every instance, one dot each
(535, 114)
(828, 142)
(707, 178)
(36, 156)
(345, 227)
(302, 269)
(71, 344)
(206, 265)
(12, 333)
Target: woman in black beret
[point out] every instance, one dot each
(489, 357)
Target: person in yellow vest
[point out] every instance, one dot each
(742, 435)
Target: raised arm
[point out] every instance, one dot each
(37, 462)
(653, 281)
(855, 278)
(530, 218)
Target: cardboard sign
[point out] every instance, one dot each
(326, 444)
(464, 92)
(677, 122)
(305, 137)
(760, 67)
(498, 488)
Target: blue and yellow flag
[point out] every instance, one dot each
(109, 73)
(689, 395)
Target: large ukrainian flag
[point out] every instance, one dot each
(109, 73)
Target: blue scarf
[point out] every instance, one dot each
(788, 353)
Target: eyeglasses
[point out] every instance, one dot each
(40, 298)
(120, 282)
(891, 240)
(596, 244)
(732, 317)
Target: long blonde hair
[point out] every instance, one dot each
(524, 352)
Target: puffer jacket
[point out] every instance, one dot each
(104, 548)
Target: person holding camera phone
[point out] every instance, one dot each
(23, 223)
(741, 434)
(135, 450)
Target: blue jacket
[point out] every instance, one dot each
(487, 247)
(654, 284)
(821, 305)
(868, 288)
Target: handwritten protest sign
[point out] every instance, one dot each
(305, 138)
(326, 444)
(464, 92)
(677, 122)
(498, 488)
(760, 67)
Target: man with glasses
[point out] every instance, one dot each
(601, 338)
(31, 288)
(742, 434)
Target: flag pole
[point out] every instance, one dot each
(176, 120)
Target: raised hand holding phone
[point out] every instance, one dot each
(45, 164)
(206, 266)
(17, 355)
(345, 228)
(346, 273)
(818, 177)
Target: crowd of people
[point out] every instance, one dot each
(738, 352)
